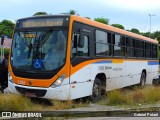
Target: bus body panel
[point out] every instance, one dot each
(80, 81)
(59, 93)
(133, 70)
(42, 82)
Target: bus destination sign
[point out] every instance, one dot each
(47, 22)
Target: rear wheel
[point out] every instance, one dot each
(143, 79)
(97, 90)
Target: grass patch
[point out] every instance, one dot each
(133, 97)
(59, 105)
(12, 102)
(9, 102)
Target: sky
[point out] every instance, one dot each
(129, 13)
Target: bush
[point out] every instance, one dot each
(136, 96)
(6, 51)
(9, 102)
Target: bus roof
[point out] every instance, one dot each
(45, 16)
(111, 28)
(97, 24)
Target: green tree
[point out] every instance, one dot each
(146, 34)
(158, 38)
(102, 20)
(9, 28)
(72, 12)
(40, 13)
(152, 35)
(88, 17)
(156, 34)
(134, 30)
(118, 26)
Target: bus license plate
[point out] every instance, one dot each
(27, 94)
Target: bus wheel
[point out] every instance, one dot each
(143, 79)
(97, 90)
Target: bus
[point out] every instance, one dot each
(68, 57)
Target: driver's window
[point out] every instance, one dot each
(83, 46)
(79, 45)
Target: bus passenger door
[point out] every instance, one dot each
(80, 74)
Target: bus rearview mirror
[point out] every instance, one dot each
(75, 41)
(81, 42)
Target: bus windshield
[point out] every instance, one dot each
(41, 50)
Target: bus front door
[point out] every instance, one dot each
(80, 78)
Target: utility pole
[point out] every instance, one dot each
(150, 15)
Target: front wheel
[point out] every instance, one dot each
(143, 79)
(97, 90)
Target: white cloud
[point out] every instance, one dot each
(137, 5)
(129, 13)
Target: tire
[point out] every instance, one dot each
(97, 90)
(143, 79)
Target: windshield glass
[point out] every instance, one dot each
(39, 50)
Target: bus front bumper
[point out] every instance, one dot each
(59, 93)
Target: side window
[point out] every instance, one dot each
(123, 44)
(143, 49)
(154, 51)
(130, 49)
(79, 45)
(101, 36)
(110, 44)
(140, 48)
(135, 47)
(148, 50)
(118, 49)
(123, 41)
(109, 38)
(102, 43)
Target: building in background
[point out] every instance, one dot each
(7, 42)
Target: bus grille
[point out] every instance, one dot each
(38, 93)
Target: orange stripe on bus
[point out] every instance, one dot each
(117, 61)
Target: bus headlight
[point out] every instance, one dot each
(10, 78)
(59, 81)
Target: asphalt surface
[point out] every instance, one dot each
(117, 118)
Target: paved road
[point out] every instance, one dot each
(101, 112)
(117, 118)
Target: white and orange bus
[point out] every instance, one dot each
(69, 57)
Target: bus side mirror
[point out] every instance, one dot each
(2, 40)
(75, 41)
(81, 41)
